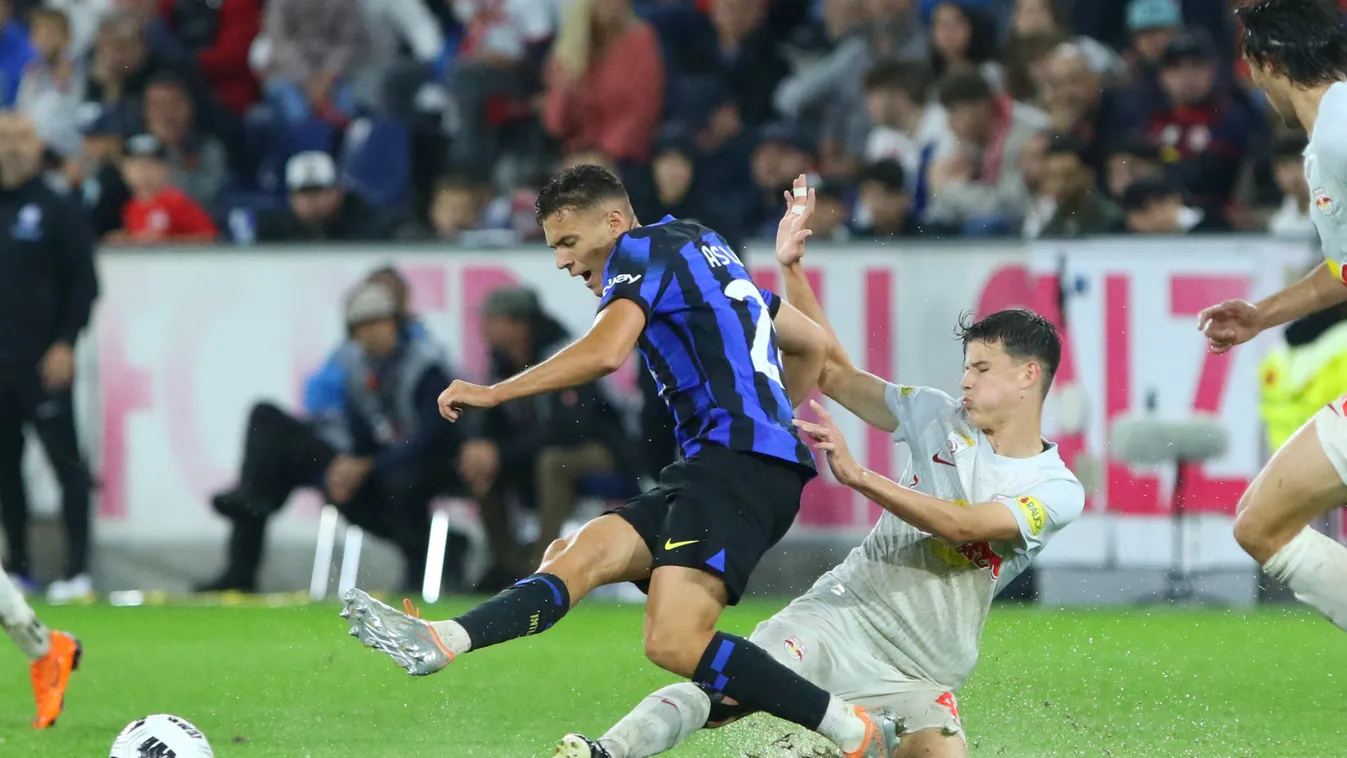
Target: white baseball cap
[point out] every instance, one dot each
(310, 170)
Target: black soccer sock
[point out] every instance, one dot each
(745, 672)
(531, 605)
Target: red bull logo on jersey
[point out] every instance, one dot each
(1324, 203)
(794, 648)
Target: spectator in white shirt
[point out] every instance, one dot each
(52, 87)
(905, 125)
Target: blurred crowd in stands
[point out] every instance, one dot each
(288, 120)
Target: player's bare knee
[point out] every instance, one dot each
(1258, 536)
(673, 647)
(932, 743)
(554, 549)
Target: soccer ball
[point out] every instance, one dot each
(161, 736)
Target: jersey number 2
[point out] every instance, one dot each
(761, 349)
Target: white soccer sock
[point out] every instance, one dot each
(659, 722)
(842, 725)
(20, 622)
(1314, 566)
(453, 635)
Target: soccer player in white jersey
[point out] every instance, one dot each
(54, 655)
(1297, 54)
(898, 623)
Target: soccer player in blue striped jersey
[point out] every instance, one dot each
(712, 340)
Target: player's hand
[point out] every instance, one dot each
(58, 367)
(345, 475)
(828, 438)
(462, 395)
(794, 227)
(1231, 323)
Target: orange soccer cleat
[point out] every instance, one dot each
(50, 674)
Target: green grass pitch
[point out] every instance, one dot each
(290, 682)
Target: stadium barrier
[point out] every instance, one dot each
(186, 340)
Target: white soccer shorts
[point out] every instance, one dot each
(1331, 425)
(817, 648)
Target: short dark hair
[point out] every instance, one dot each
(1136, 146)
(1068, 144)
(578, 188)
(964, 87)
(1290, 146)
(460, 181)
(1302, 39)
(912, 78)
(1140, 194)
(1023, 334)
(889, 173)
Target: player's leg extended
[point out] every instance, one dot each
(53, 654)
(680, 636)
(1303, 480)
(606, 550)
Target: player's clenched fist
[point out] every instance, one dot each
(462, 395)
(794, 227)
(1231, 323)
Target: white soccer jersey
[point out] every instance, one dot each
(920, 603)
(1326, 172)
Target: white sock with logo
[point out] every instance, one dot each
(1314, 566)
(659, 722)
(20, 622)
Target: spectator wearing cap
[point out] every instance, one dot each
(218, 36)
(782, 154)
(1200, 132)
(158, 211)
(1080, 206)
(535, 449)
(93, 176)
(1152, 24)
(53, 84)
(605, 81)
(197, 159)
(906, 125)
(321, 208)
(381, 459)
(1292, 219)
(1129, 159)
(979, 183)
(1157, 206)
(313, 48)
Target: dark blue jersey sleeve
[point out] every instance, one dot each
(634, 274)
(772, 300)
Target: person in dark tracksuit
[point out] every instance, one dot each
(381, 458)
(47, 287)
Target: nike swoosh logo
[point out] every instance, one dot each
(938, 459)
(671, 545)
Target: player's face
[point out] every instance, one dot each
(994, 383)
(1277, 90)
(583, 240)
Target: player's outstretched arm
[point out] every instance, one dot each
(1236, 321)
(804, 349)
(950, 521)
(603, 350)
(860, 392)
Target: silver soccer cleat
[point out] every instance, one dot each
(576, 746)
(885, 740)
(404, 637)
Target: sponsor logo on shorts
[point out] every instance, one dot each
(1034, 513)
(794, 648)
(947, 699)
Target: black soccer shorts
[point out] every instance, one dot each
(719, 511)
